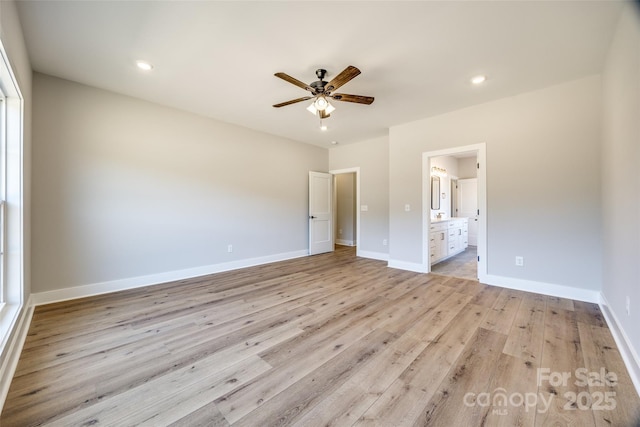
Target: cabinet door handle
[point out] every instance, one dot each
(441, 236)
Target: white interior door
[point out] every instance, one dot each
(468, 206)
(320, 213)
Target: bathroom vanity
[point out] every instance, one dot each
(447, 237)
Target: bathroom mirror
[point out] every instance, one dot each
(435, 192)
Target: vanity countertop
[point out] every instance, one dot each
(435, 221)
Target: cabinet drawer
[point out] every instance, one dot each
(438, 226)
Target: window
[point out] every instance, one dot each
(3, 194)
(11, 201)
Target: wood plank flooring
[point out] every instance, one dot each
(328, 340)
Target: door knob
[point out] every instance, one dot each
(312, 217)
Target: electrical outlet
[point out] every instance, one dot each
(407, 207)
(340, 231)
(384, 242)
(520, 261)
(628, 306)
(230, 248)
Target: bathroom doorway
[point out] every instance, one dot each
(451, 222)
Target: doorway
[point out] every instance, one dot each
(345, 216)
(460, 169)
(346, 207)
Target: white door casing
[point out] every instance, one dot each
(468, 206)
(481, 152)
(320, 212)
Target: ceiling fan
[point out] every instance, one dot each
(322, 90)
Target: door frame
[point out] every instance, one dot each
(481, 150)
(454, 195)
(355, 170)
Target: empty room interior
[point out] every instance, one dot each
(385, 213)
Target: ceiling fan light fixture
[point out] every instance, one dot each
(330, 108)
(321, 103)
(322, 108)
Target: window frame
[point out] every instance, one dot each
(3, 196)
(12, 295)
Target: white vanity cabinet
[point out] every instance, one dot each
(438, 241)
(458, 230)
(448, 237)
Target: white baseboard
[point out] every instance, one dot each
(14, 348)
(518, 284)
(409, 266)
(154, 279)
(625, 347)
(550, 289)
(374, 255)
(345, 242)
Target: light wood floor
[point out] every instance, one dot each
(323, 340)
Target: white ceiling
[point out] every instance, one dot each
(218, 58)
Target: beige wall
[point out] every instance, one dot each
(372, 158)
(124, 188)
(621, 176)
(542, 203)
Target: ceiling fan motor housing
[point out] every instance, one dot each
(318, 86)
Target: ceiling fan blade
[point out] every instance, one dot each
(345, 76)
(353, 98)
(293, 101)
(296, 82)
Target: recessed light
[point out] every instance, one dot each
(478, 80)
(143, 65)
(334, 142)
